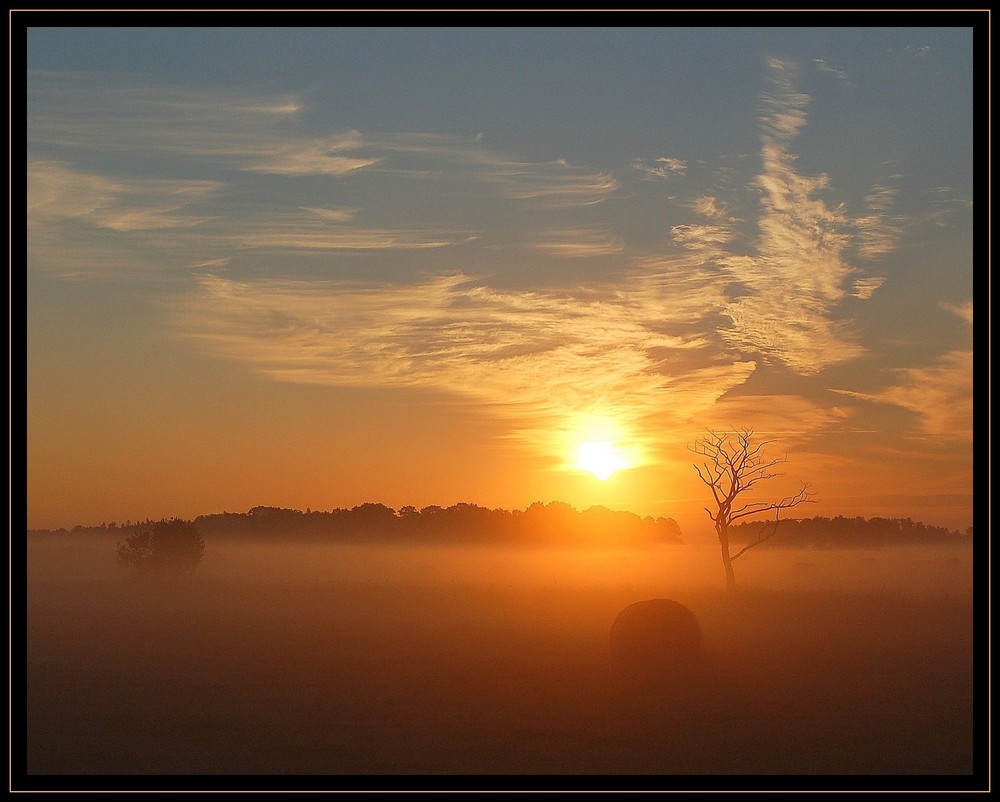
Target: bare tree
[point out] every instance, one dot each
(732, 463)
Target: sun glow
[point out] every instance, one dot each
(601, 458)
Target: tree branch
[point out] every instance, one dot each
(761, 537)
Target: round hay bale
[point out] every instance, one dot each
(655, 631)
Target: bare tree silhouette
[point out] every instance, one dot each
(732, 463)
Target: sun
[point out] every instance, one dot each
(601, 458)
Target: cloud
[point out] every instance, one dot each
(578, 242)
(267, 135)
(310, 157)
(791, 419)
(550, 184)
(69, 208)
(786, 292)
(784, 110)
(963, 310)
(710, 206)
(669, 339)
(341, 214)
(193, 103)
(880, 198)
(877, 233)
(865, 288)
(665, 167)
(211, 263)
(939, 394)
(543, 360)
(827, 67)
(57, 191)
(294, 234)
(806, 342)
(554, 184)
(249, 133)
(73, 217)
(699, 237)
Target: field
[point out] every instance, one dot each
(299, 660)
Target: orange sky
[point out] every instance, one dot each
(272, 287)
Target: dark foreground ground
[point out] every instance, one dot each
(307, 672)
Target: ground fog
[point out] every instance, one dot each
(291, 659)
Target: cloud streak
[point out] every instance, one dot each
(544, 360)
(676, 331)
(578, 242)
(57, 191)
(267, 135)
(297, 235)
(663, 167)
(787, 290)
(939, 394)
(825, 66)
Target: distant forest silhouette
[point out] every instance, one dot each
(840, 532)
(555, 523)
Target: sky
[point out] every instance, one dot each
(317, 267)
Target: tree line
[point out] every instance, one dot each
(555, 523)
(843, 532)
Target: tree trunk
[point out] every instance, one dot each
(727, 561)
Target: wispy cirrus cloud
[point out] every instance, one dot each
(57, 191)
(249, 133)
(962, 310)
(550, 184)
(578, 242)
(662, 167)
(555, 184)
(940, 395)
(307, 157)
(68, 207)
(268, 135)
(340, 214)
(82, 224)
(792, 419)
(878, 232)
(787, 290)
(95, 119)
(782, 293)
(546, 360)
(712, 207)
(670, 339)
(864, 288)
(211, 264)
(831, 69)
(295, 234)
(701, 237)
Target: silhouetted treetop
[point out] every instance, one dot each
(542, 524)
